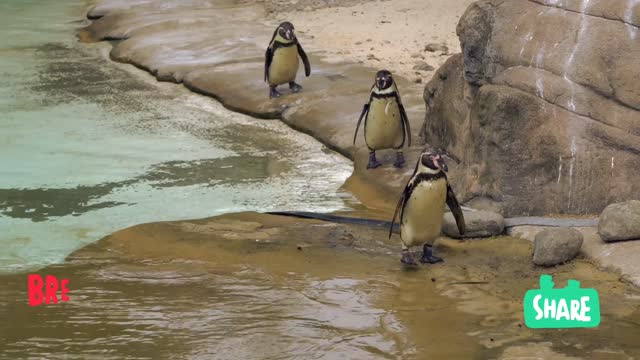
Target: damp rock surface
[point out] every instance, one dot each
(620, 221)
(556, 246)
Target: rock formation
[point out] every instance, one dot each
(543, 105)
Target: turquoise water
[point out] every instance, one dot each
(89, 146)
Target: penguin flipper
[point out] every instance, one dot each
(452, 202)
(268, 58)
(305, 59)
(395, 213)
(405, 120)
(365, 110)
(402, 202)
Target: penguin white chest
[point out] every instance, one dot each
(423, 213)
(284, 65)
(383, 127)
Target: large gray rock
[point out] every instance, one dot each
(542, 122)
(556, 246)
(620, 221)
(478, 224)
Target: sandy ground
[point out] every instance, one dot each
(384, 34)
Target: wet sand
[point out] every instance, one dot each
(258, 286)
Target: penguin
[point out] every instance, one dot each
(281, 60)
(421, 208)
(386, 125)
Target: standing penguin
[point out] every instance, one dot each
(421, 208)
(281, 60)
(386, 125)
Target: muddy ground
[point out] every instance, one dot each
(259, 286)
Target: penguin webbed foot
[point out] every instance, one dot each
(407, 259)
(373, 162)
(428, 257)
(273, 93)
(399, 160)
(295, 88)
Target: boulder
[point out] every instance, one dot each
(478, 224)
(542, 122)
(620, 222)
(556, 246)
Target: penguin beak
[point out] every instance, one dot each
(439, 161)
(381, 83)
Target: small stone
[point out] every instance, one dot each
(433, 47)
(358, 42)
(417, 80)
(423, 66)
(299, 247)
(620, 221)
(477, 224)
(416, 55)
(556, 246)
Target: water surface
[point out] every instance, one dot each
(89, 146)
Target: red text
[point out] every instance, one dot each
(47, 290)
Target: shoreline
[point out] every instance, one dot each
(243, 91)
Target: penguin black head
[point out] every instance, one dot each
(384, 80)
(433, 161)
(286, 31)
